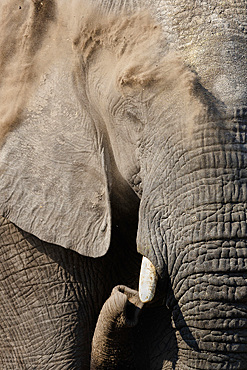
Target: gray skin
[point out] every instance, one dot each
(172, 148)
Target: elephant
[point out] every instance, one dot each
(123, 159)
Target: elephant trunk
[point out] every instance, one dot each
(192, 227)
(194, 187)
(112, 340)
(207, 297)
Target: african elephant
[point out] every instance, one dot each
(123, 128)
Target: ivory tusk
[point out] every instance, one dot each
(147, 281)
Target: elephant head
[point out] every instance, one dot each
(154, 110)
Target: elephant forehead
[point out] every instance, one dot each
(201, 17)
(212, 41)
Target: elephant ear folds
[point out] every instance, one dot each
(53, 179)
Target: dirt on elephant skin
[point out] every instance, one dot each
(35, 33)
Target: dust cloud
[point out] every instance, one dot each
(137, 42)
(35, 32)
(24, 25)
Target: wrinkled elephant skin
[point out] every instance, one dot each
(123, 149)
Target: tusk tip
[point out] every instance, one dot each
(145, 297)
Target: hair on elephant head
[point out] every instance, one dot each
(113, 109)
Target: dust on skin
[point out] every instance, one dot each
(24, 26)
(36, 33)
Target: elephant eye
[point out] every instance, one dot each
(129, 114)
(134, 120)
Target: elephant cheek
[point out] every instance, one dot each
(150, 237)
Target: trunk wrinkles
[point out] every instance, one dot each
(195, 227)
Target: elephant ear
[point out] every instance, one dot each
(53, 178)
